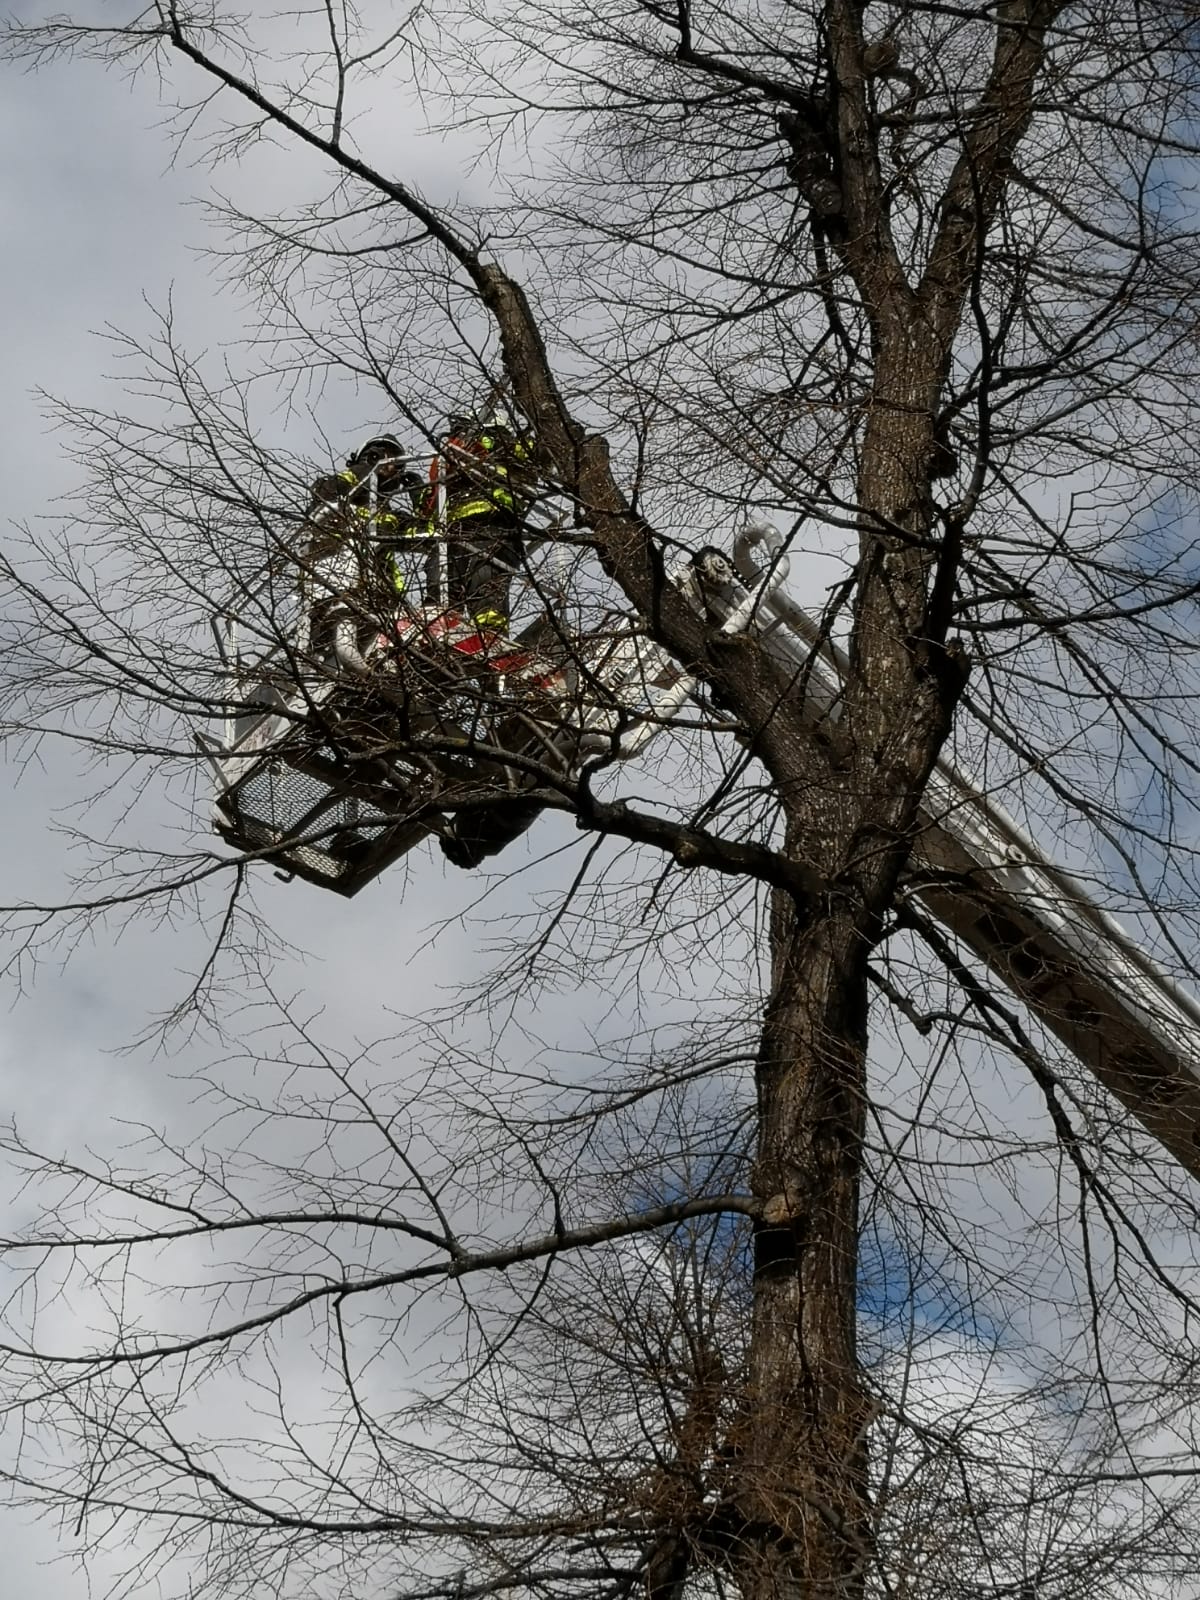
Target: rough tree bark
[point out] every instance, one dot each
(804, 1466)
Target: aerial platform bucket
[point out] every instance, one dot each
(326, 829)
(315, 773)
(289, 791)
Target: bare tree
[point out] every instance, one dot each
(916, 280)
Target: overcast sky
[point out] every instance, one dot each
(99, 228)
(97, 222)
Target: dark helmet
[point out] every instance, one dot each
(461, 424)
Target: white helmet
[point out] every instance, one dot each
(379, 448)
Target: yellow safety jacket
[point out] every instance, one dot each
(494, 493)
(381, 518)
(384, 521)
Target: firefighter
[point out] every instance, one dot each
(376, 486)
(371, 499)
(485, 470)
(489, 487)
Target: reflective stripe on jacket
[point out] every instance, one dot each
(499, 499)
(381, 519)
(380, 516)
(469, 495)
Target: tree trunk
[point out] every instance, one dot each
(803, 1466)
(803, 1463)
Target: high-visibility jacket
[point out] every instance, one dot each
(491, 490)
(339, 491)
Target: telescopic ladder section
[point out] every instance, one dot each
(1034, 925)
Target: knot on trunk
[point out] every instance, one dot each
(778, 1237)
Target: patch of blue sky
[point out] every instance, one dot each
(901, 1294)
(1172, 180)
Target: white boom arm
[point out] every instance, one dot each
(1033, 925)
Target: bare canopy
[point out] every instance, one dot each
(752, 1309)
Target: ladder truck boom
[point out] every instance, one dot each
(1034, 925)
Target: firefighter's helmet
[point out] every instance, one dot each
(375, 451)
